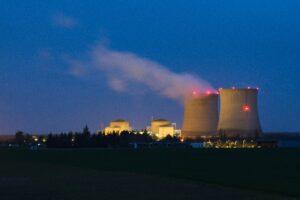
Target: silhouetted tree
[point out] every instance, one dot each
(86, 139)
(170, 139)
(86, 131)
(20, 138)
(50, 140)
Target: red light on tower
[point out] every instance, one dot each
(246, 108)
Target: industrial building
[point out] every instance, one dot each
(200, 116)
(117, 126)
(161, 128)
(239, 113)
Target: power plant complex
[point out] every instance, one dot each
(238, 116)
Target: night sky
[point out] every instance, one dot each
(227, 43)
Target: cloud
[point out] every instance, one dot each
(125, 69)
(77, 68)
(117, 84)
(45, 58)
(64, 21)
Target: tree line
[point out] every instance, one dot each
(85, 139)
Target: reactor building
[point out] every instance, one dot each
(200, 116)
(238, 112)
(117, 126)
(162, 127)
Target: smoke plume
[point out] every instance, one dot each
(124, 68)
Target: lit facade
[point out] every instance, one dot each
(117, 126)
(163, 131)
(161, 128)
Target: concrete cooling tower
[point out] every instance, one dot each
(238, 112)
(200, 116)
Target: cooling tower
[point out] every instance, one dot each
(238, 112)
(200, 116)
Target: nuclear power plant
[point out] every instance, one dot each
(239, 113)
(238, 117)
(200, 116)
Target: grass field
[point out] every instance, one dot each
(71, 173)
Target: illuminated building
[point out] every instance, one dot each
(117, 126)
(161, 128)
(165, 130)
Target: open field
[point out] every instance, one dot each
(150, 174)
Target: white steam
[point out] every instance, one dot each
(123, 68)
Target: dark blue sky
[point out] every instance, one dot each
(228, 43)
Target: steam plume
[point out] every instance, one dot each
(124, 68)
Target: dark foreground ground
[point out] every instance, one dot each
(150, 174)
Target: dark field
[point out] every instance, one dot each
(150, 174)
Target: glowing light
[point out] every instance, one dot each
(233, 88)
(208, 92)
(246, 108)
(194, 93)
(248, 87)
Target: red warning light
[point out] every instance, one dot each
(246, 108)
